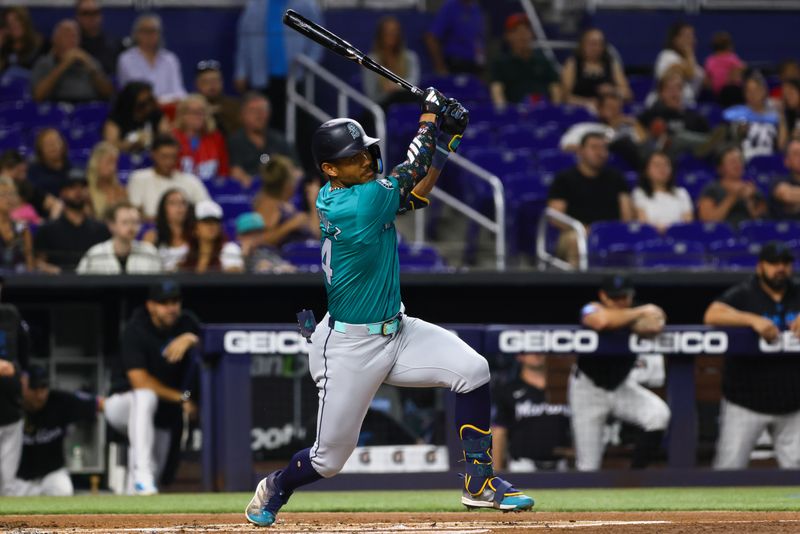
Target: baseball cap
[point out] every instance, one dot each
(515, 19)
(249, 222)
(164, 290)
(775, 252)
(74, 176)
(207, 209)
(617, 285)
(38, 377)
(207, 64)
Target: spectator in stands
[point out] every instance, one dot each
(528, 428)
(730, 198)
(34, 203)
(60, 244)
(101, 46)
(123, 253)
(147, 186)
(48, 415)
(591, 71)
(760, 392)
(589, 192)
(679, 57)
(601, 387)
(657, 200)
(523, 73)
(389, 49)
(258, 258)
(51, 166)
(149, 383)
(20, 44)
(203, 151)
(755, 123)
(135, 118)
(790, 118)
(672, 126)
(266, 47)
(785, 191)
(105, 188)
(788, 69)
(174, 227)
(724, 70)
(68, 73)
(148, 61)
(284, 223)
(624, 133)
(208, 249)
(16, 244)
(225, 109)
(254, 139)
(456, 40)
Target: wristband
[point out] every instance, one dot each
(439, 157)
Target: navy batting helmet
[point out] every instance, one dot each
(342, 138)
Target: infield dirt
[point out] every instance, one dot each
(416, 523)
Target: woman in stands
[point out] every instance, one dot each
(33, 203)
(101, 173)
(208, 249)
(135, 118)
(389, 49)
(20, 44)
(51, 167)
(174, 227)
(679, 56)
(755, 123)
(203, 150)
(591, 71)
(16, 244)
(284, 223)
(730, 198)
(657, 200)
(790, 118)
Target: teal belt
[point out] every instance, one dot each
(385, 328)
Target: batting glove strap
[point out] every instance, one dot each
(413, 202)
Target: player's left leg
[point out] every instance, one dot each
(57, 483)
(787, 440)
(428, 355)
(635, 404)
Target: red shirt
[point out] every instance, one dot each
(209, 158)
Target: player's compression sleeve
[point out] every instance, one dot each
(418, 160)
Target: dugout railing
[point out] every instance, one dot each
(227, 409)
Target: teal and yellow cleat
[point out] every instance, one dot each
(499, 494)
(263, 508)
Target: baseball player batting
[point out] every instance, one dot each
(366, 339)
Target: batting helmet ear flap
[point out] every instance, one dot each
(377, 160)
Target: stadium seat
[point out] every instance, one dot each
(13, 88)
(666, 254)
(733, 253)
(694, 182)
(91, 114)
(700, 232)
(10, 139)
(641, 87)
(611, 243)
(305, 255)
(763, 231)
(772, 164)
(414, 258)
(462, 87)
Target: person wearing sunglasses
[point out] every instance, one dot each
(94, 40)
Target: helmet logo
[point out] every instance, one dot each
(354, 133)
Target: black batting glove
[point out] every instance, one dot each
(434, 102)
(454, 121)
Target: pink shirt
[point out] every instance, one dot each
(719, 66)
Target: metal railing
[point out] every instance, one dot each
(552, 215)
(304, 65)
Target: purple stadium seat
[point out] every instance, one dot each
(700, 232)
(734, 253)
(462, 87)
(712, 112)
(641, 87)
(555, 161)
(91, 114)
(662, 253)
(611, 243)
(767, 164)
(420, 258)
(694, 182)
(10, 139)
(763, 231)
(305, 255)
(79, 137)
(14, 89)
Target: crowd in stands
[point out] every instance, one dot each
(98, 127)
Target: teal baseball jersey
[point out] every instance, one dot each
(359, 241)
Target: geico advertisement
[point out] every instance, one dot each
(261, 342)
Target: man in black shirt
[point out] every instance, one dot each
(151, 384)
(527, 428)
(48, 414)
(760, 391)
(602, 385)
(61, 243)
(589, 192)
(94, 40)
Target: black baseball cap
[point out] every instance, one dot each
(164, 290)
(617, 285)
(75, 176)
(38, 377)
(776, 252)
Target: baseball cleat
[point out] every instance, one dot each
(145, 488)
(268, 499)
(499, 494)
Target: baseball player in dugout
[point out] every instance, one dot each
(760, 391)
(601, 386)
(366, 339)
(152, 384)
(48, 413)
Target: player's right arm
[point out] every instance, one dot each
(598, 317)
(721, 313)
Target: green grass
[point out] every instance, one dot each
(750, 499)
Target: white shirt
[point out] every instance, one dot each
(164, 75)
(172, 256)
(663, 209)
(100, 259)
(145, 189)
(231, 256)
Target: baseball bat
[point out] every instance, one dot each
(336, 44)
